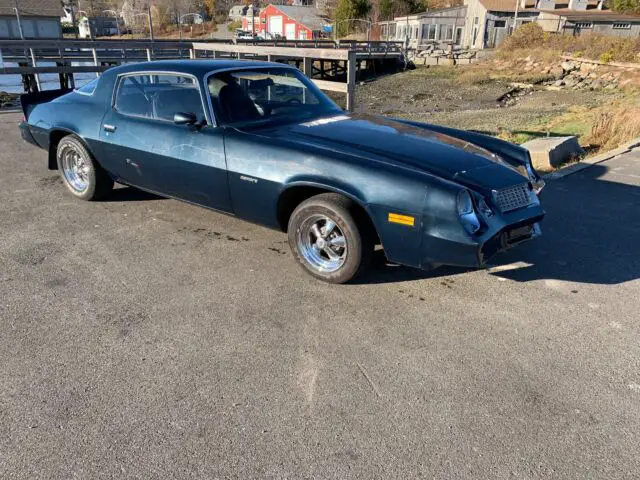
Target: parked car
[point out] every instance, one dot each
(260, 141)
(244, 35)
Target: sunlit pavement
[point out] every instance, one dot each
(143, 337)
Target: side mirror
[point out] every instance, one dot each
(184, 118)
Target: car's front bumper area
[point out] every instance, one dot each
(501, 233)
(506, 239)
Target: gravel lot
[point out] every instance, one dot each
(147, 338)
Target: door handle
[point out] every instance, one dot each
(109, 128)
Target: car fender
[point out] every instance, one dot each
(398, 230)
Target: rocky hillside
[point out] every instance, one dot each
(575, 74)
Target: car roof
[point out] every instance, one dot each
(193, 67)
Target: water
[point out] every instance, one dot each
(48, 81)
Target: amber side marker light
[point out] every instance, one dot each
(401, 219)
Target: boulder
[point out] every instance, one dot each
(557, 72)
(548, 153)
(571, 81)
(570, 66)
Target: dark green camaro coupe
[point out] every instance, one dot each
(260, 141)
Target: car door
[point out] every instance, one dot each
(152, 152)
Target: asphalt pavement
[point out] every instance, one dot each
(142, 337)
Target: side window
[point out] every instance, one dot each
(159, 97)
(133, 97)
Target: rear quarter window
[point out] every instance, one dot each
(89, 87)
(159, 96)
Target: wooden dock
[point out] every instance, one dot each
(334, 66)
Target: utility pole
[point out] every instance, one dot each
(17, 9)
(515, 17)
(150, 23)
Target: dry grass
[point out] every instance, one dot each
(594, 46)
(613, 128)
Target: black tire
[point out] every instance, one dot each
(355, 229)
(96, 182)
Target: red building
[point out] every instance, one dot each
(286, 21)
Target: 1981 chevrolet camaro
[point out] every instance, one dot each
(260, 141)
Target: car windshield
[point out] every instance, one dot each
(265, 96)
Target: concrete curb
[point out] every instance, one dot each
(587, 162)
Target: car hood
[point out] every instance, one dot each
(392, 141)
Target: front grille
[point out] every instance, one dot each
(512, 198)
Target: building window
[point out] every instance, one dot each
(584, 25)
(621, 26)
(446, 33)
(500, 24)
(433, 30)
(415, 32)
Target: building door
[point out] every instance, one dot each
(275, 25)
(500, 32)
(290, 31)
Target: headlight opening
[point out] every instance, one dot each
(466, 212)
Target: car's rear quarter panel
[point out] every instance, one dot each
(73, 113)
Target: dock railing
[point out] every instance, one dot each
(67, 57)
(307, 54)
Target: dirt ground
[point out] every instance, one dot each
(434, 95)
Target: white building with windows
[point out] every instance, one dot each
(440, 27)
(480, 24)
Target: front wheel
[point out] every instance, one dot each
(82, 175)
(327, 240)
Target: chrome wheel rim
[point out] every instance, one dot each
(322, 243)
(74, 168)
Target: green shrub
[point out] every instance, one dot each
(232, 26)
(606, 57)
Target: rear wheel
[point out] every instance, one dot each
(82, 175)
(327, 239)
